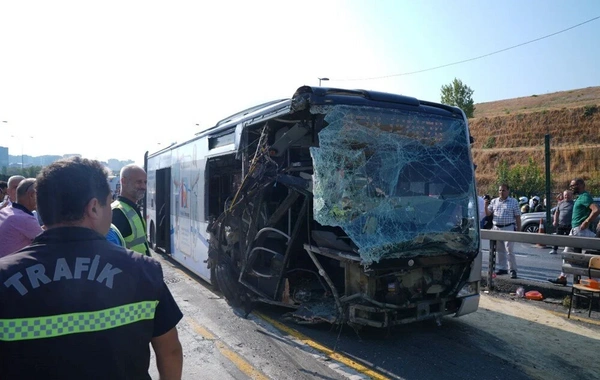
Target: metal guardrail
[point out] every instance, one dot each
(590, 243)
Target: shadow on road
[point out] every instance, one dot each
(483, 345)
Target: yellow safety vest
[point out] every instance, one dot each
(137, 240)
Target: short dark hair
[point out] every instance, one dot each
(66, 186)
(3, 185)
(505, 185)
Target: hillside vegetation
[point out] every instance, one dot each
(513, 130)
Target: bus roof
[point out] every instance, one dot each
(319, 96)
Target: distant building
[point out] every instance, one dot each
(71, 155)
(116, 165)
(3, 158)
(113, 165)
(45, 160)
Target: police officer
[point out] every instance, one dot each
(126, 215)
(75, 306)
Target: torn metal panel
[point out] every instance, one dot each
(398, 183)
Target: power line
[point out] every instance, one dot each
(474, 58)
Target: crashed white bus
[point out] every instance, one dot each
(346, 206)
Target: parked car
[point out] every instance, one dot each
(530, 221)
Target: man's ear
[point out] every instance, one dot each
(92, 208)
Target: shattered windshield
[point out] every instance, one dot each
(399, 183)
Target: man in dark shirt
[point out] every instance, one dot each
(562, 216)
(75, 306)
(126, 214)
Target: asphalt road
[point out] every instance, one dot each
(220, 344)
(533, 263)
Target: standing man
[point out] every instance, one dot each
(126, 214)
(18, 225)
(75, 306)
(506, 217)
(563, 216)
(13, 182)
(584, 213)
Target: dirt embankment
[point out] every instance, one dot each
(513, 131)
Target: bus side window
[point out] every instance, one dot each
(223, 179)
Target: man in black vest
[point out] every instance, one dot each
(73, 305)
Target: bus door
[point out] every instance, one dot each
(163, 209)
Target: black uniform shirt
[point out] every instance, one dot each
(74, 306)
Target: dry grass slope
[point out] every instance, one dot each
(513, 130)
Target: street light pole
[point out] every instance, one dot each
(322, 79)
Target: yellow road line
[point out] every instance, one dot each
(239, 362)
(327, 351)
(236, 359)
(201, 330)
(576, 318)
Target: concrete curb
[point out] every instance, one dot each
(504, 284)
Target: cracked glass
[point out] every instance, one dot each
(399, 183)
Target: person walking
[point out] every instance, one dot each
(75, 306)
(563, 216)
(18, 225)
(506, 217)
(126, 214)
(584, 213)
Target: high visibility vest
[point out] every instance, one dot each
(137, 240)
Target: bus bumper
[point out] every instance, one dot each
(468, 305)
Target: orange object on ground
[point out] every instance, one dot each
(591, 283)
(534, 295)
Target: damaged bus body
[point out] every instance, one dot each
(346, 206)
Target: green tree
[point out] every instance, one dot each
(458, 94)
(28, 172)
(523, 179)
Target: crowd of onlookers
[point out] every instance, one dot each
(575, 215)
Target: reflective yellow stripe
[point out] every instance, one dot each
(65, 324)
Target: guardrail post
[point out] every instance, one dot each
(549, 227)
(491, 265)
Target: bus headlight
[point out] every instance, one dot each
(469, 289)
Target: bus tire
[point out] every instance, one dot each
(226, 280)
(152, 236)
(213, 278)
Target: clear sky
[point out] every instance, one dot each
(113, 79)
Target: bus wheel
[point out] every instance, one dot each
(213, 278)
(226, 280)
